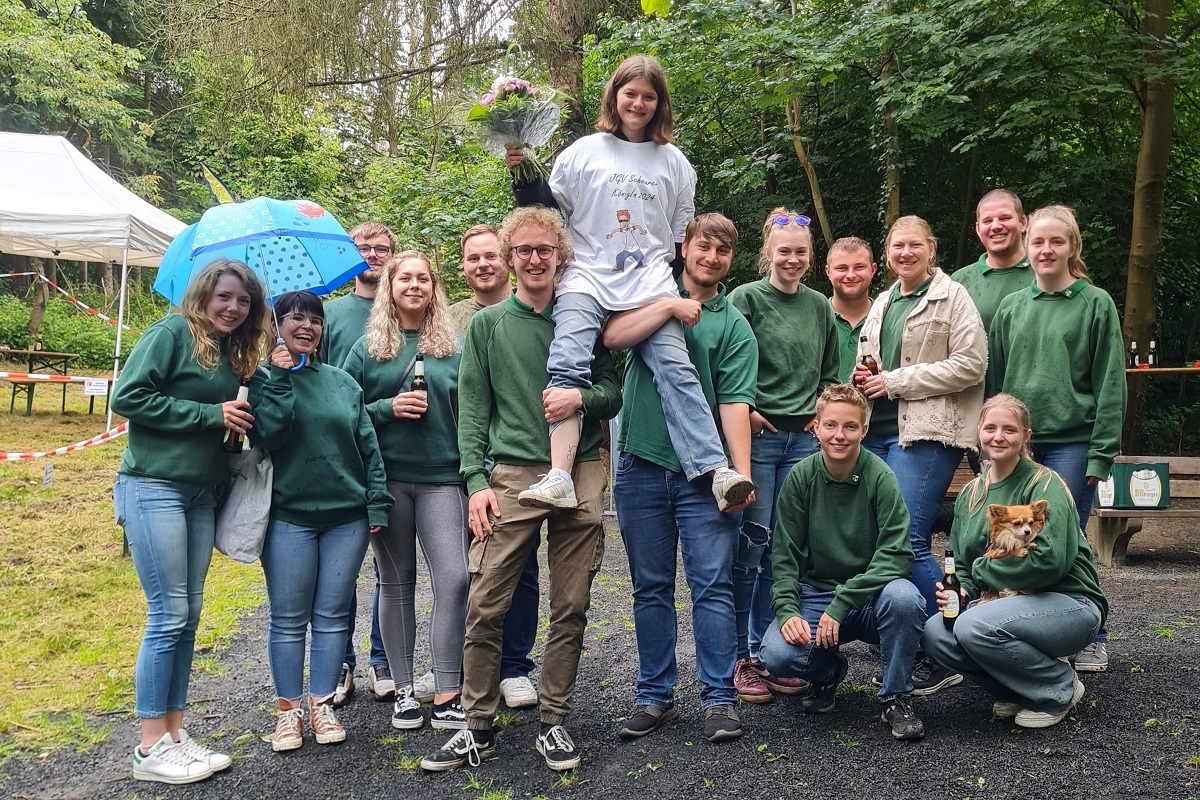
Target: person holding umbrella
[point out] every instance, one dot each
(313, 421)
(177, 391)
(409, 329)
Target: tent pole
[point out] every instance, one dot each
(120, 330)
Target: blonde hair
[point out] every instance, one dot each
(369, 230)
(976, 491)
(843, 393)
(385, 337)
(904, 223)
(244, 346)
(850, 244)
(1066, 216)
(658, 129)
(769, 227)
(548, 220)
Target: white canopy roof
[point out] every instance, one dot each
(55, 203)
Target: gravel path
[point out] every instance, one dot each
(1135, 733)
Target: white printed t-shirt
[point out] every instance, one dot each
(626, 204)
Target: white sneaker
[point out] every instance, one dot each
(730, 488)
(379, 679)
(518, 692)
(345, 687)
(424, 687)
(218, 761)
(1045, 719)
(167, 762)
(552, 492)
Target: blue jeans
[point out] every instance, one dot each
(657, 510)
(170, 527)
(310, 573)
(893, 620)
(577, 321)
(772, 456)
(1011, 646)
(378, 656)
(924, 470)
(521, 621)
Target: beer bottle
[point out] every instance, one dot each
(1152, 355)
(1133, 355)
(867, 359)
(418, 382)
(235, 442)
(951, 585)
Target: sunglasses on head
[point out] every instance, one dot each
(799, 219)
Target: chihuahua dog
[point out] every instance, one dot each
(1013, 531)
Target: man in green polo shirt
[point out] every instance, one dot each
(850, 268)
(1003, 268)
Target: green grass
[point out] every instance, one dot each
(73, 610)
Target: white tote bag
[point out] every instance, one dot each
(242, 520)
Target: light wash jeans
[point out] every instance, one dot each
(578, 318)
(1011, 646)
(893, 620)
(310, 575)
(170, 527)
(772, 456)
(660, 513)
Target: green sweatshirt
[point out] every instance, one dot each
(345, 322)
(414, 451)
(849, 537)
(798, 352)
(988, 286)
(1061, 562)
(500, 386)
(725, 353)
(1061, 353)
(173, 405)
(327, 466)
(848, 336)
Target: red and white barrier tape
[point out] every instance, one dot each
(108, 435)
(82, 306)
(31, 376)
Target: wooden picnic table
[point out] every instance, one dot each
(48, 360)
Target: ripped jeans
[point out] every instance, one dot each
(772, 456)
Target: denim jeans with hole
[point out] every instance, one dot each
(170, 527)
(659, 513)
(310, 573)
(893, 620)
(772, 456)
(578, 318)
(924, 471)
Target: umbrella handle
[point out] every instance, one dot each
(303, 357)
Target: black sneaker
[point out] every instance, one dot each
(823, 699)
(722, 723)
(898, 714)
(345, 687)
(448, 715)
(556, 747)
(646, 719)
(928, 677)
(407, 714)
(464, 747)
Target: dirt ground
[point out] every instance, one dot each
(1135, 733)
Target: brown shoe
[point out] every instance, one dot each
(289, 728)
(324, 724)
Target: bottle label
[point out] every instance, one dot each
(950, 610)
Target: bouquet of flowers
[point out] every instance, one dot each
(515, 112)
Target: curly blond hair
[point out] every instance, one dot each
(384, 335)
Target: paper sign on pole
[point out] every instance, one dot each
(95, 387)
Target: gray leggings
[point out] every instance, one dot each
(437, 515)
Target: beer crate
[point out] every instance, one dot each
(1135, 486)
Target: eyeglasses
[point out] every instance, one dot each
(379, 249)
(300, 319)
(799, 219)
(544, 251)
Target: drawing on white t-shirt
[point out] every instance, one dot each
(631, 254)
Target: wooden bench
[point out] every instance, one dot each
(1110, 529)
(25, 388)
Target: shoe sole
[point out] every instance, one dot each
(813, 709)
(1007, 711)
(725, 736)
(390, 697)
(156, 778)
(791, 691)
(340, 699)
(287, 744)
(1051, 721)
(558, 766)
(521, 703)
(447, 766)
(1090, 667)
(448, 725)
(950, 680)
(548, 505)
(408, 724)
(330, 738)
(668, 716)
(756, 699)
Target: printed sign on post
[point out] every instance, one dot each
(95, 387)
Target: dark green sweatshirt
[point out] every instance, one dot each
(500, 386)
(1061, 353)
(328, 469)
(798, 352)
(174, 408)
(414, 451)
(1061, 562)
(345, 323)
(988, 287)
(849, 537)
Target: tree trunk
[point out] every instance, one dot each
(40, 296)
(1148, 192)
(891, 139)
(106, 280)
(814, 185)
(564, 60)
(967, 231)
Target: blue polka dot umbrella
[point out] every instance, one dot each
(290, 245)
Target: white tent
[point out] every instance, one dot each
(55, 203)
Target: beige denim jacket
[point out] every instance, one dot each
(943, 358)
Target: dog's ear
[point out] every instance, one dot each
(1041, 510)
(997, 512)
